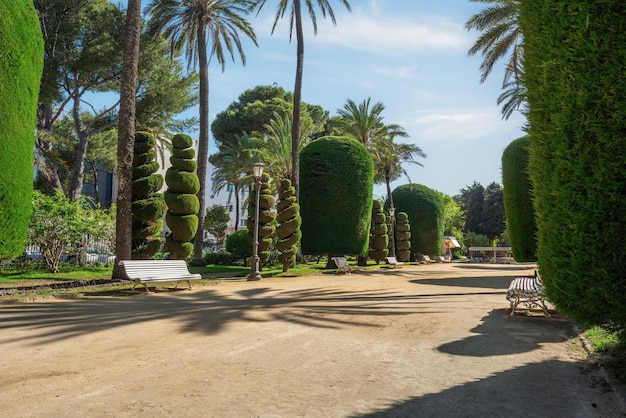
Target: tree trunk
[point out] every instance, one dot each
(203, 141)
(297, 99)
(78, 173)
(126, 136)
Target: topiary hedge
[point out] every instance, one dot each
(403, 236)
(266, 218)
(518, 200)
(21, 66)
(148, 206)
(289, 220)
(574, 61)
(379, 238)
(336, 179)
(425, 210)
(181, 199)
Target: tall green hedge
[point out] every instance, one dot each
(148, 206)
(576, 79)
(336, 180)
(21, 66)
(180, 196)
(425, 210)
(518, 200)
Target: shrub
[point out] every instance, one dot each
(403, 236)
(266, 218)
(288, 214)
(379, 238)
(336, 179)
(238, 244)
(148, 206)
(21, 65)
(219, 258)
(181, 199)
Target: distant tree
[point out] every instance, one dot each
(21, 64)
(288, 232)
(471, 199)
(197, 26)
(181, 198)
(216, 221)
(494, 218)
(379, 237)
(336, 196)
(148, 206)
(296, 22)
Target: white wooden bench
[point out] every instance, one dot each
(148, 271)
(529, 291)
(393, 262)
(427, 259)
(341, 263)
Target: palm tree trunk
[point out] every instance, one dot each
(237, 211)
(203, 141)
(126, 136)
(297, 99)
(78, 173)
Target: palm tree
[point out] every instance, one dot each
(275, 147)
(365, 123)
(126, 135)
(232, 165)
(296, 15)
(501, 34)
(197, 24)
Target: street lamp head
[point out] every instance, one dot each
(257, 169)
(392, 211)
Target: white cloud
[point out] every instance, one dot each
(456, 126)
(396, 72)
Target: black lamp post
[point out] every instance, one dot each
(392, 212)
(255, 274)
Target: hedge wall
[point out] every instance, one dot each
(21, 66)
(518, 200)
(425, 210)
(336, 180)
(576, 79)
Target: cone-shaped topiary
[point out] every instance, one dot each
(148, 206)
(266, 217)
(21, 64)
(336, 179)
(403, 237)
(379, 239)
(288, 231)
(181, 199)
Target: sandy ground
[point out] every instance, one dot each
(421, 341)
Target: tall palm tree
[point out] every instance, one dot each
(232, 165)
(296, 17)
(196, 25)
(126, 135)
(365, 123)
(501, 35)
(275, 147)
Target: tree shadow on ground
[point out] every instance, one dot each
(548, 389)
(486, 282)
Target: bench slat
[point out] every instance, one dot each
(145, 271)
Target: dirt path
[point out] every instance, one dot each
(427, 341)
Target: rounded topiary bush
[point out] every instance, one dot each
(288, 230)
(336, 179)
(379, 239)
(148, 206)
(266, 218)
(21, 65)
(425, 210)
(183, 204)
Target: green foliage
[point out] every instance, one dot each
(336, 178)
(266, 217)
(224, 259)
(238, 244)
(403, 236)
(379, 237)
(518, 200)
(182, 184)
(575, 56)
(21, 64)
(59, 225)
(425, 209)
(148, 206)
(216, 221)
(288, 212)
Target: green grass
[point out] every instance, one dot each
(603, 340)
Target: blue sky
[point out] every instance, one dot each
(411, 55)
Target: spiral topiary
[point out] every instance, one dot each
(379, 240)
(403, 236)
(148, 206)
(288, 230)
(266, 217)
(181, 199)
